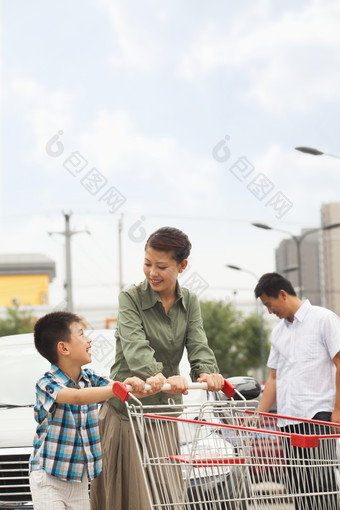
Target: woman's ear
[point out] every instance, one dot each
(183, 265)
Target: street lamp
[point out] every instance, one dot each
(315, 152)
(298, 240)
(262, 341)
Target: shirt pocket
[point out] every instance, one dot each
(307, 347)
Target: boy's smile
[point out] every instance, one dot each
(79, 345)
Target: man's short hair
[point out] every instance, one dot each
(52, 329)
(272, 283)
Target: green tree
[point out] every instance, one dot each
(16, 321)
(235, 339)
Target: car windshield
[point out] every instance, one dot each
(20, 367)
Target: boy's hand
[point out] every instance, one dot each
(215, 381)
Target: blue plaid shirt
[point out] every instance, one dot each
(67, 442)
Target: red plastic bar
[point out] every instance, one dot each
(120, 390)
(302, 441)
(295, 418)
(228, 389)
(206, 461)
(299, 442)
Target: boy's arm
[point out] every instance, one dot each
(86, 396)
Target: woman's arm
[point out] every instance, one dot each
(202, 360)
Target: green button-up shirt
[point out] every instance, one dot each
(150, 341)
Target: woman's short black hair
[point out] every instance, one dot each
(172, 240)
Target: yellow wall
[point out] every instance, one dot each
(29, 289)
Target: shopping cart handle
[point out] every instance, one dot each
(122, 390)
(228, 389)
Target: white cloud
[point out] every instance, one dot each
(1, 100)
(152, 166)
(291, 61)
(43, 111)
(304, 179)
(134, 45)
(147, 166)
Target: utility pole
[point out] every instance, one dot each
(68, 233)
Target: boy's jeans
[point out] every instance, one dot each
(50, 493)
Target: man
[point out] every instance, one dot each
(304, 380)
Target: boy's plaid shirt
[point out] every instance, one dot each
(66, 443)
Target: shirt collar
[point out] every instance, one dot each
(65, 379)
(150, 297)
(301, 313)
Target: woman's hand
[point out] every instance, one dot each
(215, 381)
(156, 382)
(178, 383)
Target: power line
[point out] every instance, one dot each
(150, 215)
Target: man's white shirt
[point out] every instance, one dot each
(302, 354)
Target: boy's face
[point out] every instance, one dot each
(79, 344)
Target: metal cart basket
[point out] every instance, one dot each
(223, 454)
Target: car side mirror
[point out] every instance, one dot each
(249, 387)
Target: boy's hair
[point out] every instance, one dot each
(172, 240)
(51, 329)
(272, 283)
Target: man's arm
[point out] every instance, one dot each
(336, 413)
(269, 393)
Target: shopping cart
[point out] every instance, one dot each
(225, 455)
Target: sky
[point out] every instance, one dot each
(181, 112)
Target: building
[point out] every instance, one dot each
(25, 278)
(287, 264)
(320, 256)
(330, 213)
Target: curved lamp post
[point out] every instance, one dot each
(262, 340)
(298, 240)
(315, 152)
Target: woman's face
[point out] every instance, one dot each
(161, 270)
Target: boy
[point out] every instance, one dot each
(66, 447)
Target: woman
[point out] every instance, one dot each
(157, 319)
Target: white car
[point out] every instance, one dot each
(20, 367)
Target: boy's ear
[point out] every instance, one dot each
(63, 349)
